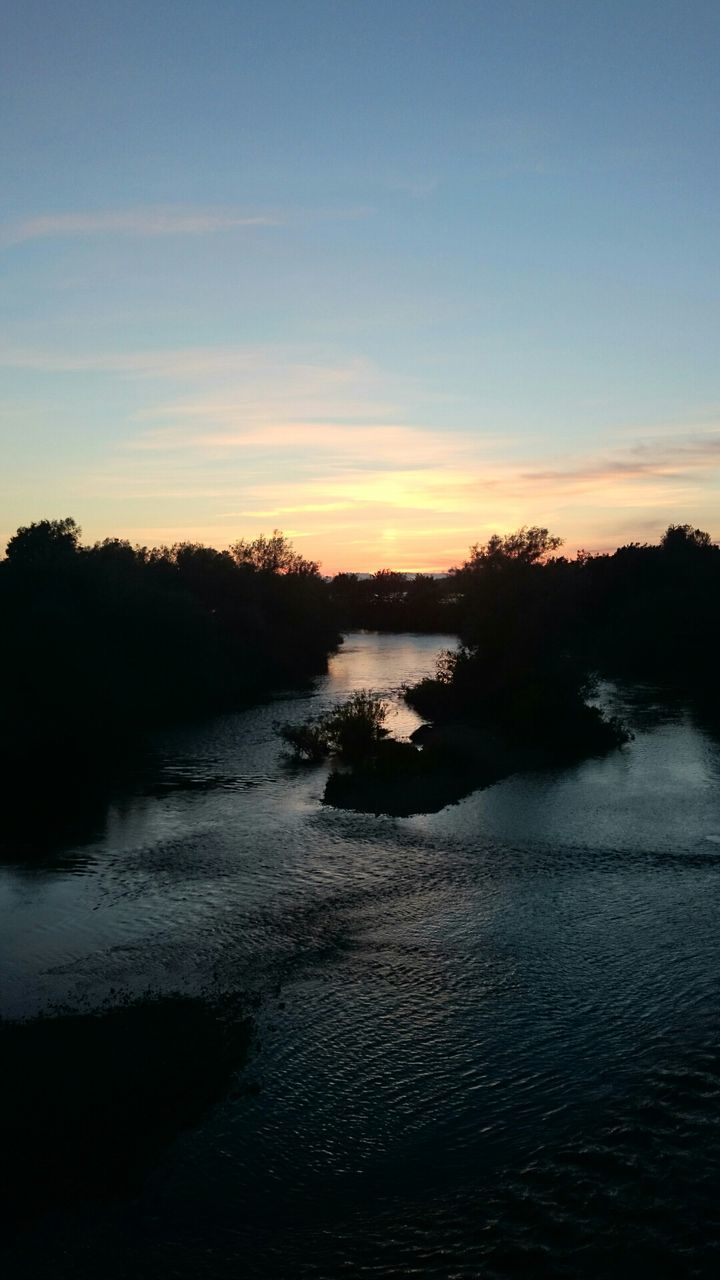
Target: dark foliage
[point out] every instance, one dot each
(351, 731)
(536, 629)
(99, 642)
(376, 773)
(644, 611)
(90, 1100)
(307, 742)
(398, 779)
(389, 601)
(518, 671)
(653, 612)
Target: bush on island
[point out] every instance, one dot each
(352, 730)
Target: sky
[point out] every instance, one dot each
(389, 275)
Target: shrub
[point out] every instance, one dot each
(356, 726)
(308, 741)
(351, 730)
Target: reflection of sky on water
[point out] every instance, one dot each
(659, 794)
(222, 825)
(474, 1024)
(384, 664)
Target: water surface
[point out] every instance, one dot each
(487, 1038)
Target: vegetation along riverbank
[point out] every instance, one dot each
(107, 640)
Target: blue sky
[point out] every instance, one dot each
(389, 276)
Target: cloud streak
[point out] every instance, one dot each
(262, 376)
(158, 220)
(181, 362)
(233, 440)
(662, 458)
(336, 445)
(374, 494)
(142, 221)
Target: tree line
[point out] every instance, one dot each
(99, 642)
(649, 611)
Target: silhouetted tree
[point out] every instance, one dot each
(99, 642)
(272, 555)
(685, 539)
(527, 546)
(517, 671)
(44, 544)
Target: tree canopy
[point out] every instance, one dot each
(274, 554)
(44, 543)
(105, 640)
(527, 546)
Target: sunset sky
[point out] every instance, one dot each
(387, 274)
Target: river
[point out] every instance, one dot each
(486, 1039)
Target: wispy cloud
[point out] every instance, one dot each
(373, 494)
(343, 438)
(159, 220)
(254, 375)
(665, 457)
(338, 444)
(143, 221)
(179, 363)
(233, 440)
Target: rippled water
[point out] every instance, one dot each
(487, 1038)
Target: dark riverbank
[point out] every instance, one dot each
(91, 1100)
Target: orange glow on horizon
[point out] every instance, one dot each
(365, 497)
